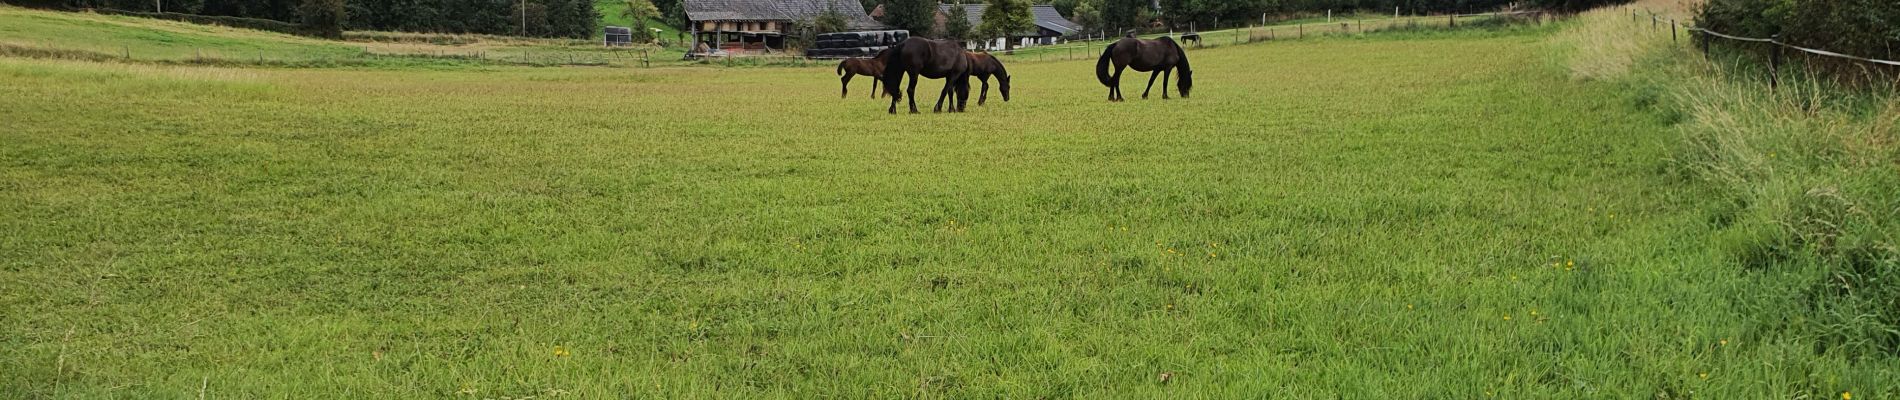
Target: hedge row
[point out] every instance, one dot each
(1866, 28)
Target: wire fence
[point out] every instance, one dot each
(1774, 42)
(1086, 47)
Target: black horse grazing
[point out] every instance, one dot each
(984, 65)
(1161, 56)
(934, 59)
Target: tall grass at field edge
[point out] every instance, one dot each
(1809, 173)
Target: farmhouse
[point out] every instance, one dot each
(1051, 26)
(741, 26)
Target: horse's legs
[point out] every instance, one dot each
(1166, 74)
(874, 87)
(846, 80)
(1151, 84)
(984, 96)
(949, 84)
(963, 93)
(913, 93)
(1115, 90)
(894, 99)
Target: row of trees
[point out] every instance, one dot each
(545, 18)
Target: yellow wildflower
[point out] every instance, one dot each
(1723, 342)
(561, 351)
(1847, 396)
(1408, 306)
(1704, 375)
(1507, 317)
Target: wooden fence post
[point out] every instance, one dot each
(1774, 62)
(1672, 32)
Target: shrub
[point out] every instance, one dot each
(1866, 28)
(323, 17)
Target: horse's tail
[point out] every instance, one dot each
(841, 67)
(894, 67)
(1101, 65)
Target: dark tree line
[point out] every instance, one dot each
(544, 18)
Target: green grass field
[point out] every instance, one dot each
(89, 36)
(1415, 215)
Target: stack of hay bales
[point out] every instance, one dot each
(854, 44)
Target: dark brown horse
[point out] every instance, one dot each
(872, 67)
(934, 59)
(983, 66)
(1160, 56)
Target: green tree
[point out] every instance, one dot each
(324, 17)
(639, 11)
(916, 16)
(956, 25)
(1088, 13)
(831, 20)
(1007, 17)
(1119, 15)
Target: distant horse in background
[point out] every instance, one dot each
(1160, 56)
(983, 66)
(872, 67)
(934, 59)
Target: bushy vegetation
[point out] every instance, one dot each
(324, 18)
(1004, 18)
(639, 12)
(911, 15)
(1866, 28)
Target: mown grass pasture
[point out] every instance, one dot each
(1410, 215)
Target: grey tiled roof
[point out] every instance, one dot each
(1046, 17)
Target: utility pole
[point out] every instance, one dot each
(524, 17)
